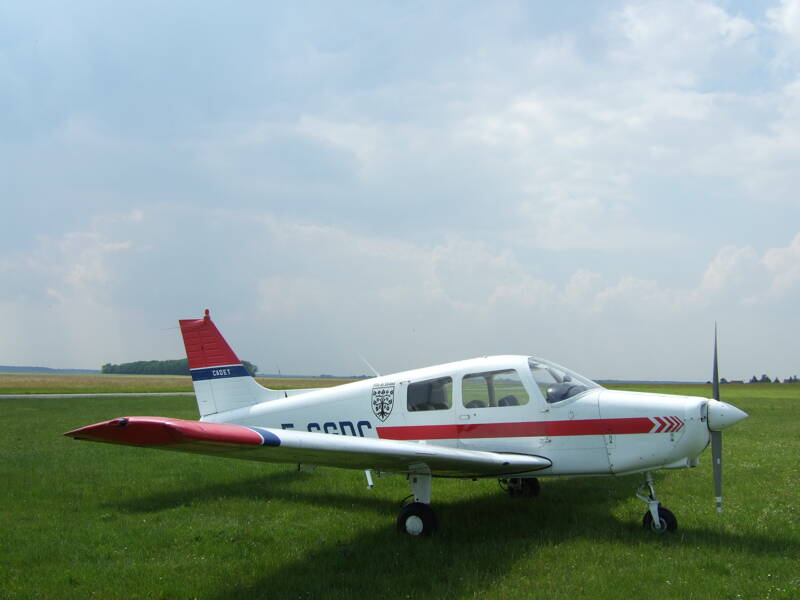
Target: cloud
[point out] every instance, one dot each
(459, 298)
(677, 42)
(308, 297)
(591, 183)
(783, 265)
(785, 18)
(733, 268)
(77, 262)
(59, 304)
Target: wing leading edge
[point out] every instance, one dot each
(290, 446)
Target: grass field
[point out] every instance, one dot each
(38, 383)
(81, 520)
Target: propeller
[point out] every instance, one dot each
(716, 436)
(720, 415)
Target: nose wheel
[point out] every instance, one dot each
(666, 521)
(657, 518)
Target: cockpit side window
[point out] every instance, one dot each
(493, 389)
(557, 383)
(432, 394)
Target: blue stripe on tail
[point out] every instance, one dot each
(219, 372)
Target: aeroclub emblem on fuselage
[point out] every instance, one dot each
(383, 400)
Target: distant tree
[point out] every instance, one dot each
(765, 379)
(178, 366)
(723, 380)
(753, 379)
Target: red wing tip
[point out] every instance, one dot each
(118, 430)
(162, 431)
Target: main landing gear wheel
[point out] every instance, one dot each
(667, 521)
(527, 487)
(416, 519)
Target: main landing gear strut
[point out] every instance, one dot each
(657, 518)
(523, 487)
(418, 518)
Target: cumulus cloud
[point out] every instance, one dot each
(785, 18)
(783, 265)
(77, 262)
(60, 304)
(679, 41)
(309, 297)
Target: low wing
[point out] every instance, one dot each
(290, 446)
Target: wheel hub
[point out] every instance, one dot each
(414, 525)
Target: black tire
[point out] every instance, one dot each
(668, 521)
(531, 487)
(527, 487)
(416, 519)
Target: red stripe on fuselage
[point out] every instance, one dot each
(521, 429)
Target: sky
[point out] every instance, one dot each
(412, 182)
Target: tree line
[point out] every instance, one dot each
(763, 379)
(159, 367)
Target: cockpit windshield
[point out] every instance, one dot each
(558, 383)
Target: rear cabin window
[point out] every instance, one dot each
(493, 389)
(433, 394)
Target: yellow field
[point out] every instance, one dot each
(46, 383)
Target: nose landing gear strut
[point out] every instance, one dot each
(657, 518)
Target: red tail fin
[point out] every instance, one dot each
(205, 346)
(221, 382)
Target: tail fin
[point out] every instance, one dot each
(221, 382)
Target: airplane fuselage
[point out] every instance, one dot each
(593, 432)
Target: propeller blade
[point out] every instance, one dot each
(715, 378)
(716, 457)
(716, 436)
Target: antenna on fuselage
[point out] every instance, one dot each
(366, 362)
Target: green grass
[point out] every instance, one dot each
(82, 520)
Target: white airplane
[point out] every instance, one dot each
(513, 418)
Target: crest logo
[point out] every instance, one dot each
(383, 400)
